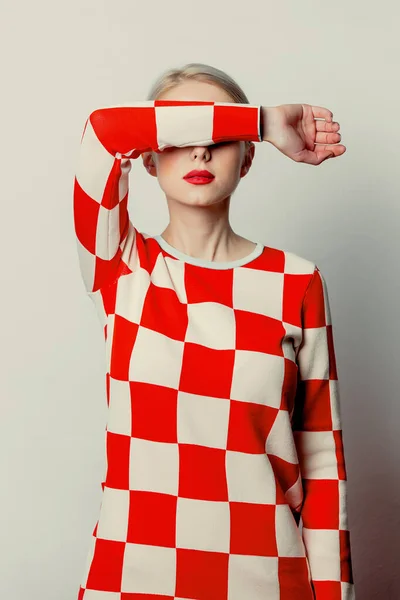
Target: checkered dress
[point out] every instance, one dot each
(225, 475)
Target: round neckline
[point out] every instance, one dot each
(209, 264)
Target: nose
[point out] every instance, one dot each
(199, 151)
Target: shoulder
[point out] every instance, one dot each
(292, 263)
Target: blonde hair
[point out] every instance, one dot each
(200, 72)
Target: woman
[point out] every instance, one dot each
(225, 477)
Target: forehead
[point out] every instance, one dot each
(197, 90)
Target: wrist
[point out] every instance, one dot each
(268, 117)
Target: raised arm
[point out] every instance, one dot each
(111, 137)
(318, 437)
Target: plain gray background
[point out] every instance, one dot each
(60, 61)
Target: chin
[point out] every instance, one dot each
(199, 202)
(198, 196)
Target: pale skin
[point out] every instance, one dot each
(199, 214)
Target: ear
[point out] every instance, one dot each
(149, 163)
(248, 159)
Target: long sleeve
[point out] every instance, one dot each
(114, 135)
(318, 438)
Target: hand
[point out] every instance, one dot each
(293, 130)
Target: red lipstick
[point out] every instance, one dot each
(199, 177)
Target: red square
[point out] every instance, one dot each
(208, 285)
(106, 567)
(294, 579)
(249, 426)
(201, 575)
(109, 297)
(331, 352)
(118, 456)
(152, 519)
(206, 371)
(133, 128)
(313, 406)
(345, 557)
(321, 504)
(328, 590)
(202, 473)
(314, 303)
(164, 313)
(253, 529)
(258, 333)
(272, 260)
(338, 437)
(153, 412)
(294, 287)
(124, 338)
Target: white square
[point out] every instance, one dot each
(109, 340)
(297, 265)
(154, 466)
(114, 515)
(202, 420)
(328, 319)
(253, 578)
(313, 357)
(343, 514)
(87, 263)
(323, 550)
(169, 273)
(203, 525)
(126, 166)
(212, 325)
(149, 570)
(174, 122)
(268, 288)
(317, 454)
(94, 165)
(258, 377)
(131, 295)
(250, 478)
(280, 439)
(107, 232)
(334, 394)
(348, 591)
(288, 537)
(156, 359)
(129, 248)
(119, 418)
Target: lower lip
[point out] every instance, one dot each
(199, 180)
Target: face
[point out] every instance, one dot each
(227, 161)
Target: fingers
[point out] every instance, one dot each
(327, 138)
(324, 126)
(320, 112)
(329, 153)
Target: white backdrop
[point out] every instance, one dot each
(60, 61)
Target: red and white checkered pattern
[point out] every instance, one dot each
(225, 475)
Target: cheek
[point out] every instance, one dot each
(167, 161)
(169, 172)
